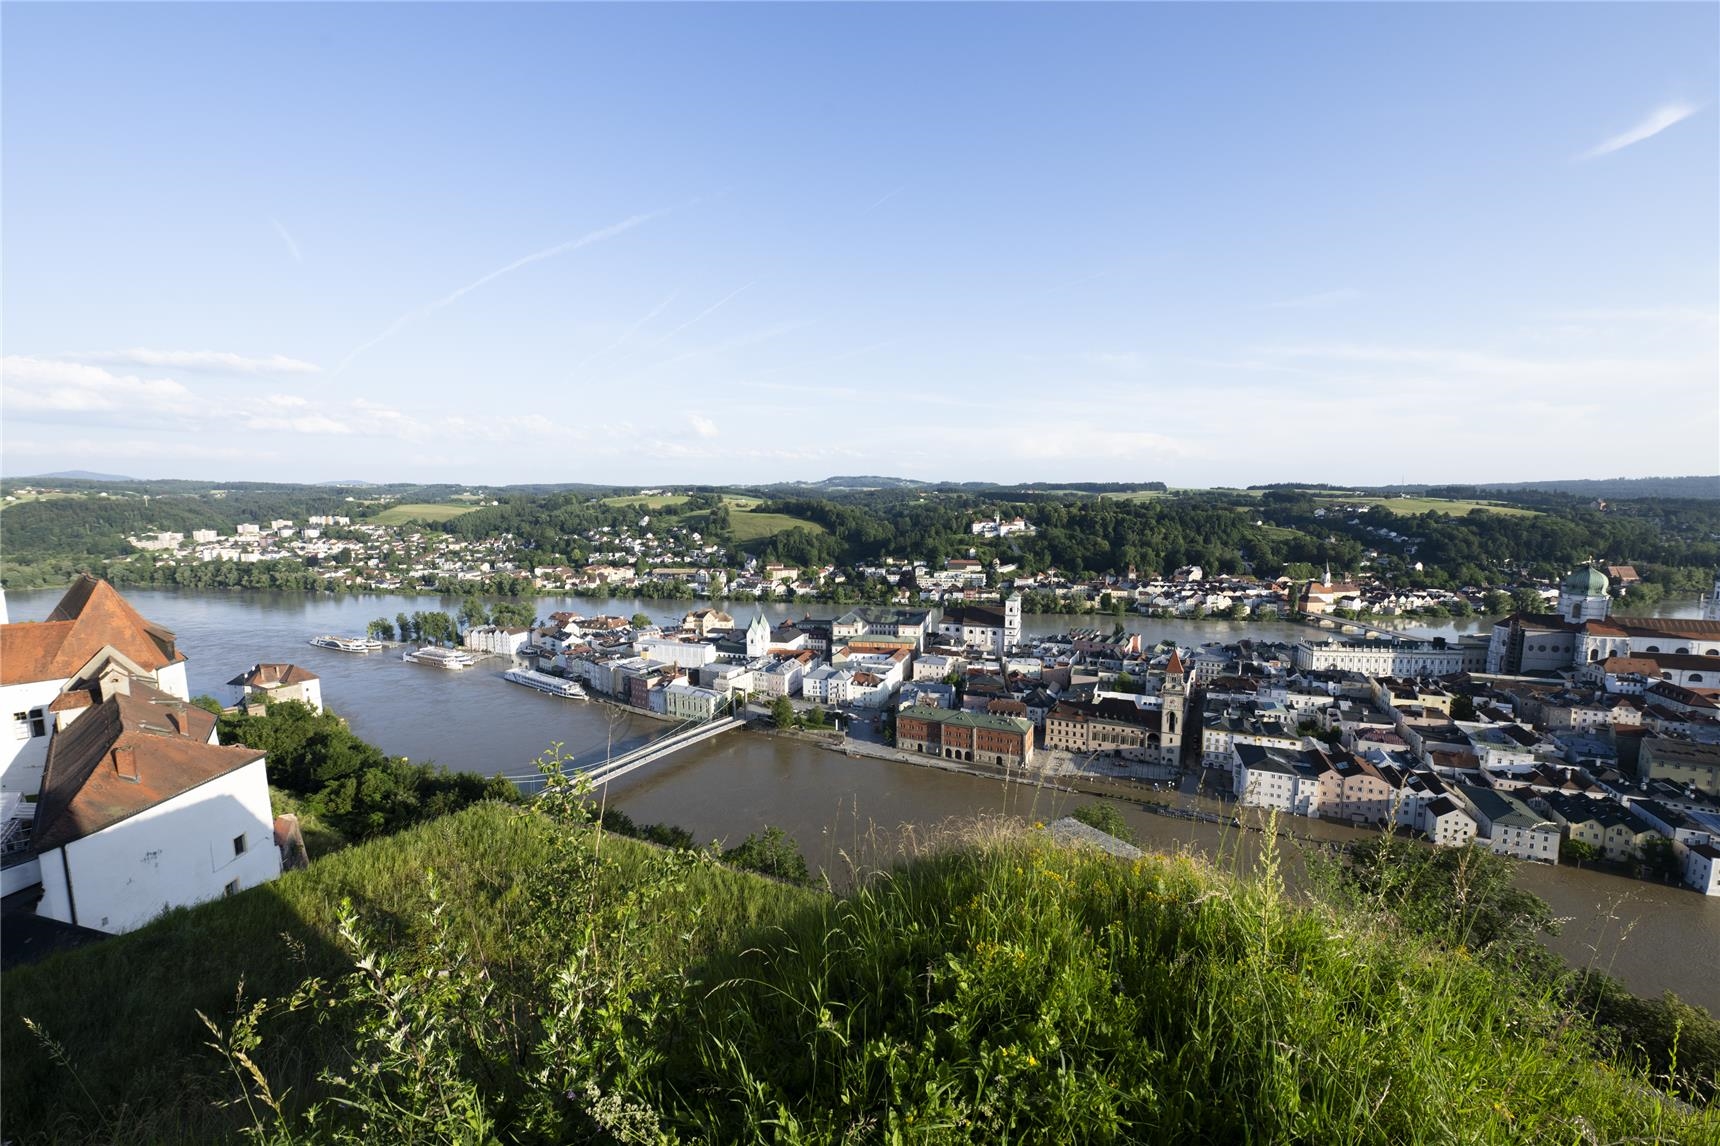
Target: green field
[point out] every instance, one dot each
(27, 498)
(641, 501)
(750, 526)
(419, 511)
(1137, 495)
(1412, 506)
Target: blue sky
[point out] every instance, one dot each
(1199, 244)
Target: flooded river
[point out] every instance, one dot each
(841, 810)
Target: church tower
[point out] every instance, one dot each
(1174, 696)
(1583, 596)
(758, 636)
(1012, 620)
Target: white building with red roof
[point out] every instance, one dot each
(120, 801)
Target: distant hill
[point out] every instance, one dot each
(1693, 486)
(79, 475)
(355, 483)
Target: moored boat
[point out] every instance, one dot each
(441, 658)
(544, 682)
(348, 644)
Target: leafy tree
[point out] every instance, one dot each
(515, 614)
(381, 628)
(1578, 851)
(1657, 859)
(772, 854)
(403, 624)
(1107, 819)
(641, 621)
(782, 712)
(473, 613)
(1527, 601)
(1462, 707)
(207, 703)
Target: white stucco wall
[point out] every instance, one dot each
(21, 761)
(177, 853)
(171, 679)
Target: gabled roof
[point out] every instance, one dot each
(92, 615)
(273, 676)
(1174, 666)
(124, 756)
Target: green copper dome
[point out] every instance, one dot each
(1586, 582)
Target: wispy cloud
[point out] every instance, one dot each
(452, 297)
(42, 386)
(710, 310)
(1314, 301)
(203, 361)
(703, 426)
(287, 238)
(1652, 125)
(1676, 314)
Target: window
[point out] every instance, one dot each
(231, 889)
(239, 844)
(26, 725)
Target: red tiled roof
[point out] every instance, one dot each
(273, 676)
(90, 616)
(125, 756)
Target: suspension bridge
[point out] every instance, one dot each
(602, 771)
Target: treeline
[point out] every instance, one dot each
(1673, 542)
(436, 626)
(349, 783)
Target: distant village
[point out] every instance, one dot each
(672, 561)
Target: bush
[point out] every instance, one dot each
(1107, 819)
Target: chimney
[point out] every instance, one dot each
(125, 763)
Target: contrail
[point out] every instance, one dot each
(586, 240)
(630, 331)
(883, 201)
(709, 310)
(287, 239)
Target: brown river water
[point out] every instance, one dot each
(843, 811)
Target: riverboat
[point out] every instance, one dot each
(543, 682)
(442, 658)
(348, 644)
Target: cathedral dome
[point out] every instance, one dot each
(1586, 582)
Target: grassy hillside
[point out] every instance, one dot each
(1414, 506)
(998, 989)
(418, 511)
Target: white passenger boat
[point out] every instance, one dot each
(544, 682)
(348, 644)
(441, 658)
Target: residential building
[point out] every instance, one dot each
(43, 662)
(273, 682)
(1447, 824)
(1509, 826)
(1681, 762)
(690, 702)
(1275, 778)
(498, 639)
(975, 737)
(1702, 868)
(142, 811)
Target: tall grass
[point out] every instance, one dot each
(553, 983)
